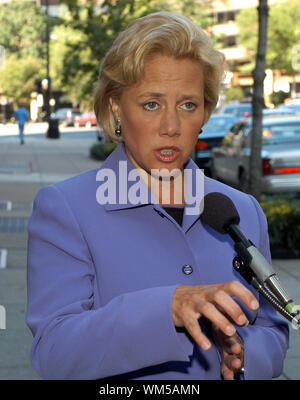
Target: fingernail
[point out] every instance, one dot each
(205, 345)
(230, 330)
(242, 320)
(254, 304)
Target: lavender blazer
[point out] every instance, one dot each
(101, 280)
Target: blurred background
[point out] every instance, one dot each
(50, 54)
(51, 50)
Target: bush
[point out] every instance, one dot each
(283, 215)
(101, 151)
(279, 97)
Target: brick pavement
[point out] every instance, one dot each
(23, 171)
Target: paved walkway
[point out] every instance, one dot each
(23, 171)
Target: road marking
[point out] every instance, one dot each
(5, 205)
(3, 258)
(2, 317)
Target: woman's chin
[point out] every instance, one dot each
(166, 171)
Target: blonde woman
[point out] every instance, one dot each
(124, 279)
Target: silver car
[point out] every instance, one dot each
(280, 155)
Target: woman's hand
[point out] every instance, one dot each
(213, 302)
(231, 349)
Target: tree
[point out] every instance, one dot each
(88, 33)
(18, 77)
(283, 34)
(22, 31)
(258, 102)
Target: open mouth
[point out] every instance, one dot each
(167, 154)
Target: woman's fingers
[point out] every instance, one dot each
(229, 344)
(191, 302)
(228, 373)
(232, 362)
(191, 323)
(232, 346)
(227, 305)
(211, 312)
(235, 288)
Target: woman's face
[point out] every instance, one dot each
(162, 115)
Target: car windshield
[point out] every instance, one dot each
(218, 125)
(281, 133)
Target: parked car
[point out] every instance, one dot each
(280, 155)
(66, 116)
(212, 135)
(278, 111)
(239, 110)
(295, 108)
(86, 119)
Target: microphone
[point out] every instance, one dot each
(220, 214)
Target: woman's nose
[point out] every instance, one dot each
(170, 123)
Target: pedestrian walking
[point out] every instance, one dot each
(21, 115)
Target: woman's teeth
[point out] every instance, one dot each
(167, 152)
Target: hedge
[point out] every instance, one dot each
(100, 151)
(283, 216)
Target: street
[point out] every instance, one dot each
(24, 169)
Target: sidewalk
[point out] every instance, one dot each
(23, 171)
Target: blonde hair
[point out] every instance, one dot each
(161, 32)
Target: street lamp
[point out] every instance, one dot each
(53, 130)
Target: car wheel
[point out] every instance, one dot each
(77, 125)
(243, 183)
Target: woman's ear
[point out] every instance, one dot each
(115, 107)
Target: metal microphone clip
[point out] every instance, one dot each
(241, 263)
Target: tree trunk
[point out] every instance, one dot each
(258, 103)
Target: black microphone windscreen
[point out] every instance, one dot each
(219, 212)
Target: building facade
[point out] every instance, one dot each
(224, 24)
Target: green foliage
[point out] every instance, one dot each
(23, 35)
(279, 97)
(18, 76)
(88, 33)
(22, 29)
(283, 33)
(101, 151)
(234, 93)
(283, 216)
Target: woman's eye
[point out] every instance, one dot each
(189, 106)
(150, 106)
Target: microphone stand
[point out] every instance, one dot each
(241, 264)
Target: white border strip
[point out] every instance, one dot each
(3, 258)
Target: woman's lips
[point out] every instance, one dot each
(167, 154)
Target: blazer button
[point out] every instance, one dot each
(187, 269)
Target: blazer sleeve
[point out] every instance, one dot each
(72, 339)
(266, 340)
